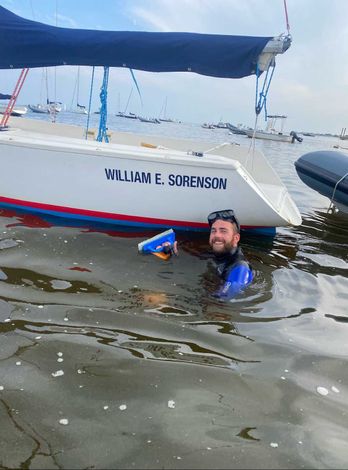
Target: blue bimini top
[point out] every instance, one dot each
(27, 44)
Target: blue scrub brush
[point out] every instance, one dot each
(154, 244)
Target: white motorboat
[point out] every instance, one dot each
(272, 132)
(138, 181)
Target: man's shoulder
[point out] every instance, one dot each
(238, 259)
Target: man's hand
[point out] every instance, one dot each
(168, 248)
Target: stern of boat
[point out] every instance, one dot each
(279, 197)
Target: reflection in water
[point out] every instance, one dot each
(337, 318)
(322, 233)
(26, 277)
(137, 344)
(164, 309)
(245, 434)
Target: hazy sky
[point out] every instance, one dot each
(310, 84)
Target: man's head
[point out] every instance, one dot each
(224, 231)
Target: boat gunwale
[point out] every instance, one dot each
(115, 151)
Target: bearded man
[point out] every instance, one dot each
(231, 264)
(232, 267)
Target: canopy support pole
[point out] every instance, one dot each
(90, 103)
(13, 99)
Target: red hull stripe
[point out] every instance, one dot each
(101, 215)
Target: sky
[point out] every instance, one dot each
(310, 82)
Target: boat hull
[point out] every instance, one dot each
(270, 136)
(39, 109)
(327, 173)
(16, 111)
(131, 185)
(45, 109)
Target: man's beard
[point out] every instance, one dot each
(220, 249)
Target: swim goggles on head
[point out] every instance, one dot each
(227, 214)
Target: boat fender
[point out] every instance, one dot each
(150, 146)
(238, 278)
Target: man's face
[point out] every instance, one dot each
(223, 237)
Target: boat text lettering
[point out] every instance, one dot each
(178, 180)
(130, 176)
(206, 182)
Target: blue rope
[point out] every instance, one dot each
(261, 100)
(102, 134)
(137, 87)
(90, 102)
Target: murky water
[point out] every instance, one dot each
(110, 359)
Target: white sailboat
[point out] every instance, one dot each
(163, 113)
(140, 181)
(125, 114)
(50, 107)
(149, 119)
(77, 108)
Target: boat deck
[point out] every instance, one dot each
(131, 146)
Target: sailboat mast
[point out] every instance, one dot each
(165, 108)
(46, 82)
(129, 97)
(78, 86)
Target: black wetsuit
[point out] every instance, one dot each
(235, 272)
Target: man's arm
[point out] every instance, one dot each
(238, 278)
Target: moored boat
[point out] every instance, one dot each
(149, 119)
(45, 108)
(139, 181)
(79, 109)
(264, 135)
(272, 133)
(38, 108)
(16, 111)
(326, 171)
(125, 115)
